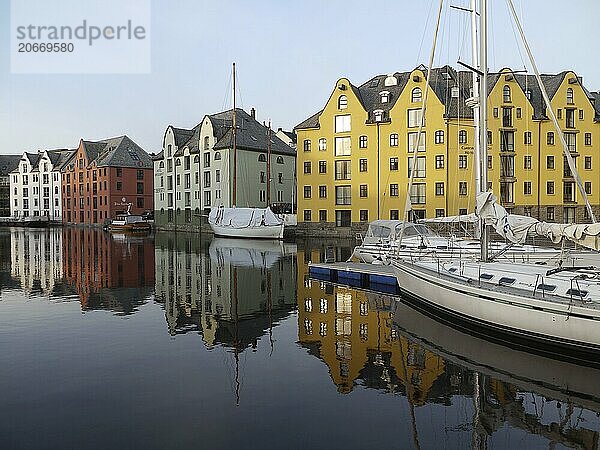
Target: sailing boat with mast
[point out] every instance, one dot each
(554, 310)
(245, 222)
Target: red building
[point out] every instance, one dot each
(105, 178)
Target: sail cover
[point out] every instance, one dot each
(516, 228)
(243, 217)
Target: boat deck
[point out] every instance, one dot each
(374, 277)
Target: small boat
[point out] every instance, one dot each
(253, 223)
(129, 223)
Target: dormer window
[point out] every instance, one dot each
(454, 92)
(570, 96)
(384, 96)
(417, 95)
(378, 114)
(342, 102)
(506, 93)
(528, 94)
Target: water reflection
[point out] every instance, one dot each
(370, 340)
(231, 292)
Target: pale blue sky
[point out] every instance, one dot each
(288, 54)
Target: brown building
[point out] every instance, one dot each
(105, 178)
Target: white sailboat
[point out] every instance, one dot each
(244, 222)
(551, 308)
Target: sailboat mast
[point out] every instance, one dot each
(234, 132)
(483, 122)
(269, 165)
(475, 63)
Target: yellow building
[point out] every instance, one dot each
(354, 155)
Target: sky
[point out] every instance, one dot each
(288, 54)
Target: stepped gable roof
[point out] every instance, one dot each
(8, 163)
(250, 134)
(117, 152)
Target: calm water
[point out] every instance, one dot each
(183, 342)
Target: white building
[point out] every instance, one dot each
(194, 170)
(35, 185)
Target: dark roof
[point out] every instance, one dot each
(250, 135)
(192, 143)
(182, 135)
(33, 158)
(8, 163)
(117, 152)
(442, 80)
(289, 134)
(158, 156)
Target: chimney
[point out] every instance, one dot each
(253, 113)
(279, 129)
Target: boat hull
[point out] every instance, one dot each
(261, 232)
(130, 228)
(548, 328)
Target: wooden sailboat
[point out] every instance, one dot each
(553, 309)
(244, 222)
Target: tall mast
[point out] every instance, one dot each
(234, 132)
(483, 122)
(269, 165)
(475, 63)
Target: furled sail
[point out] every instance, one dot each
(516, 228)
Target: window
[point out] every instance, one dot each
(570, 119)
(119, 173)
(307, 167)
(362, 142)
(394, 190)
(394, 163)
(363, 191)
(581, 114)
(218, 177)
(342, 102)
(507, 117)
(569, 96)
(507, 166)
(307, 145)
(394, 140)
(322, 144)
(588, 187)
(507, 141)
(528, 94)
(571, 140)
(569, 217)
(307, 192)
(262, 158)
(343, 170)
(322, 215)
(550, 187)
(462, 188)
(587, 163)
(462, 161)
(343, 218)
(527, 138)
(489, 137)
(207, 159)
(462, 137)
(507, 192)
(416, 95)
(322, 191)
(588, 139)
(307, 215)
(440, 212)
(322, 166)
(414, 118)
(343, 195)
(518, 113)
(394, 214)
(420, 167)
(140, 202)
(495, 113)
(342, 123)
(559, 113)
(119, 186)
(526, 187)
(527, 162)
(384, 96)
(140, 188)
(439, 137)
(364, 215)
(207, 179)
(550, 138)
(550, 213)
(412, 142)
(279, 159)
(506, 93)
(549, 162)
(439, 188)
(439, 161)
(417, 194)
(342, 146)
(362, 165)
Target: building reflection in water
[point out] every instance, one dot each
(232, 292)
(378, 342)
(108, 271)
